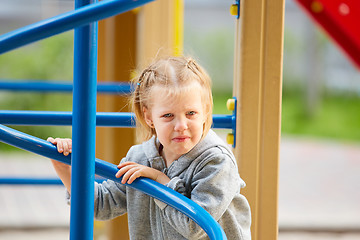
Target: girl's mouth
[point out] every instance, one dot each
(180, 138)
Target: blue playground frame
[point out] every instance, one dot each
(84, 117)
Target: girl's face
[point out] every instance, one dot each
(178, 120)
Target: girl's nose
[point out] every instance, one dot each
(180, 125)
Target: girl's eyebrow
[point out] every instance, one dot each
(162, 112)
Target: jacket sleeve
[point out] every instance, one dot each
(215, 183)
(110, 196)
(110, 200)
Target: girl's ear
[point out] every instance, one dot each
(147, 116)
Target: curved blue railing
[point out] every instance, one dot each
(108, 170)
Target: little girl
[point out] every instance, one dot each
(173, 107)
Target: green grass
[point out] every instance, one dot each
(337, 117)
(220, 99)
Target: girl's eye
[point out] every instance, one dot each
(191, 113)
(168, 115)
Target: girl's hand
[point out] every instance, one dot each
(131, 171)
(64, 145)
(63, 170)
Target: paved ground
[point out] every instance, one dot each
(319, 185)
(319, 190)
(30, 206)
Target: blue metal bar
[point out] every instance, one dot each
(222, 121)
(108, 170)
(42, 86)
(30, 181)
(83, 130)
(103, 119)
(52, 118)
(65, 22)
(34, 181)
(233, 122)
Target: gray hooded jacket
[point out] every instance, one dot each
(207, 174)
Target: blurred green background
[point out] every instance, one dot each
(312, 104)
(50, 59)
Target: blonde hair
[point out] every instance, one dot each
(176, 74)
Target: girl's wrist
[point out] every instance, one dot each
(162, 178)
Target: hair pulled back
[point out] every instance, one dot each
(176, 75)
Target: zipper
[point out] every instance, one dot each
(160, 225)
